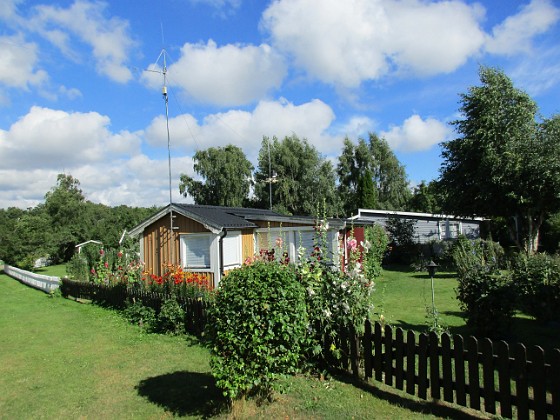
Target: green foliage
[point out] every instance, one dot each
(376, 158)
(374, 250)
(366, 192)
(470, 254)
(403, 246)
(257, 328)
(304, 179)
(335, 298)
(138, 314)
(226, 174)
(425, 198)
(537, 279)
(487, 295)
(171, 318)
(504, 164)
(488, 299)
(78, 268)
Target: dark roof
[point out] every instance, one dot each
(223, 217)
(217, 218)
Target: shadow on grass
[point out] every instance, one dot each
(184, 393)
(394, 397)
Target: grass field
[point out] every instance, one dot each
(403, 296)
(63, 359)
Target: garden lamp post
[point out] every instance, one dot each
(432, 266)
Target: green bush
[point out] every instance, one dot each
(537, 278)
(171, 318)
(469, 254)
(140, 315)
(257, 328)
(77, 268)
(375, 248)
(488, 299)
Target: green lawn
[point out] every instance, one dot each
(402, 296)
(63, 359)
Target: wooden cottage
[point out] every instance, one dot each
(427, 227)
(213, 239)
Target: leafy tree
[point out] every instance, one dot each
(65, 205)
(366, 192)
(226, 175)
(375, 158)
(425, 198)
(303, 180)
(504, 164)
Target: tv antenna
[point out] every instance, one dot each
(163, 71)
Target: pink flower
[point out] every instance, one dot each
(352, 243)
(106, 264)
(101, 252)
(119, 254)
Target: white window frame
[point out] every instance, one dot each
(184, 238)
(231, 249)
(291, 237)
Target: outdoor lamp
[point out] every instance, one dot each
(432, 266)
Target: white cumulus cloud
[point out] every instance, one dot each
(227, 75)
(346, 43)
(18, 63)
(310, 120)
(416, 134)
(108, 38)
(515, 33)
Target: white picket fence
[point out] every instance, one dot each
(45, 283)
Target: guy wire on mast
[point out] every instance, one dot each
(166, 100)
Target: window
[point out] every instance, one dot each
(195, 250)
(231, 248)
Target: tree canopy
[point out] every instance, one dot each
(504, 163)
(226, 177)
(376, 159)
(303, 181)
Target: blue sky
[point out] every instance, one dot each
(76, 96)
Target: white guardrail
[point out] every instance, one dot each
(45, 283)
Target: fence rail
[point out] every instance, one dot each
(479, 374)
(45, 283)
(117, 297)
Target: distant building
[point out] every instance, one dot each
(427, 227)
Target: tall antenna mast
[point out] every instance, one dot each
(163, 54)
(166, 99)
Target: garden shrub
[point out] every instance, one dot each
(140, 315)
(375, 248)
(171, 318)
(537, 279)
(469, 254)
(77, 268)
(257, 328)
(403, 247)
(488, 299)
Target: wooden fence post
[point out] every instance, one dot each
(459, 351)
(447, 369)
(410, 363)
(488, 375)
(474, 377)
(555, 389)
(423, 367)
(368, 355)
(399, 359)
(504, 376)
(434, 366)
(538, 376)
(388, 355)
